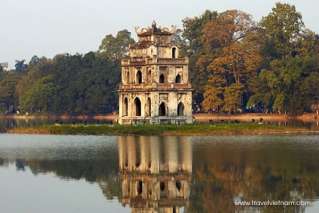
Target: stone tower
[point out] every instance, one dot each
(155, 84)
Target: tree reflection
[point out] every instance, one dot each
(276, 171)
(156, 174)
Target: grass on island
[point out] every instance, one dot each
(186, 129)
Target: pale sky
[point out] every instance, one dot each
(50, 27)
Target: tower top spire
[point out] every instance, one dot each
(154, 24)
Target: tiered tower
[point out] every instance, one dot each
(155, 84)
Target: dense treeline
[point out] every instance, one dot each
(67, 83)
(72, 84)
(240, 65)
(236, 65)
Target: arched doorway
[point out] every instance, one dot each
(139, 77)
(162, 78)
(149, 108)
(178, 79)
(138, 109)
(180, 109)
(162, 109)
(174, 52)
(125, 107)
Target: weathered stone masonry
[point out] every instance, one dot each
(155, 85)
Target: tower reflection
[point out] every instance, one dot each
(155, 173)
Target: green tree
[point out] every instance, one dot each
(72, 84)
(233, 98)
(115, 48)
(283, 27)
(39, 97)
(20, 65)
(286, 84)
(8, 98)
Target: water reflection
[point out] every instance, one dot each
(155, 174)
(169, 174)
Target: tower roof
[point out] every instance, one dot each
(155, 30)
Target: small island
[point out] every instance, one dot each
(167, 129)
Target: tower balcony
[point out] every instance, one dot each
(158, 120)
(154, 86)
(140, 61)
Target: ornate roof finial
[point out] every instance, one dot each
(154, 25)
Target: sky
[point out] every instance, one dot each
(50, 27)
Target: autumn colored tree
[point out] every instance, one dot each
(233, 38)
(198, 55)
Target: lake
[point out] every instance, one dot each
(75, 174)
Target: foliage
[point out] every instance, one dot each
(233, 38)
(115, 48)
(235, 65)
(20, 65)
(288, 81)
(70, 84)
(8, 98)
(195, 50)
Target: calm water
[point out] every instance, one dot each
(75, 174)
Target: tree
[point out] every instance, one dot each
(39, 97)
(72, 84)
(287, 82)
(233, 36)
(34, 60)
(8, 98)
(283, 27)
(233, 98)
(214, 96)
(115, 48)
(1, 73)
(20, 65)
(194, 48)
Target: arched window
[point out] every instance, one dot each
(162, 189)
(149, 109)
(178, 185)
(162, 78)
(174, 52)
(137, 104)
(162, 109)
(162, 186)
(125, 107)
(139, 77)
(178, 79)
(149, 76)
(127, 77)
(180, 109)
(139, 187)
